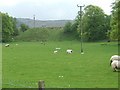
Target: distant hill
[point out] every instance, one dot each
(40, 23)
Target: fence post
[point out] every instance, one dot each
(41, 85)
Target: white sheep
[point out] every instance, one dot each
(55, 51)
(7, 45)
(115, 65)
(69, 51)
(114, 57)
(58, 48)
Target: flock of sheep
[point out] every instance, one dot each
(114, 60)
(69, 51)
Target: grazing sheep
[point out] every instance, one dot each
(69, 51)
(7, 45)
(55, 51)
(58, 48)
(114, 57)
(115, 65)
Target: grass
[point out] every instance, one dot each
(28, 62)
(0, 65)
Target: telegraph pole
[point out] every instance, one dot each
(81, 32)
(34, 20)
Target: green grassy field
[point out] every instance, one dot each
(28, 62)
(0, 65)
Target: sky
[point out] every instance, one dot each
(50, 9)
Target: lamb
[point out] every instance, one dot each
(58, 48)
(69, 51)
(114, 57)
(7, 45)
(55, 51)
(115, 65)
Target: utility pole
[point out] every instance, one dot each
(81, 32)
(34, 20)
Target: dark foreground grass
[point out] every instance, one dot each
(28, 62)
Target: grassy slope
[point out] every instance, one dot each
(25, 64)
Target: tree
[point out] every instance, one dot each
(16, 32)
(24, 27)
(115, 34)
(107, 26)
(0, 27)
(67, 27)
(7, 27)
(93, 23)
(74, 27)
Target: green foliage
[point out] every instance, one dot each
(34, 34)
(47, 34)
(67, 27)
(107, 26)
(24, 27)
(70, 30)
(0, 27)
(74, 26)
(16, 32)
(94, 23)
(115, 34)
(9, 28)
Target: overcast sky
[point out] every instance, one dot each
(49, 9)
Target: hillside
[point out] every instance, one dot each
(40, 23)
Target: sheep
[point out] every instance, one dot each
(115, 65)
(58, 48)
(55, 51)
(7, 45)
(114, 57)
(69, 51)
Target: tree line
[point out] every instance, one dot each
(9, 28)
(96, 25)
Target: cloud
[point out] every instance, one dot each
(11, 3)
(8, 3)
(49, 9)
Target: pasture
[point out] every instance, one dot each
(25, 64)
(0, 65)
